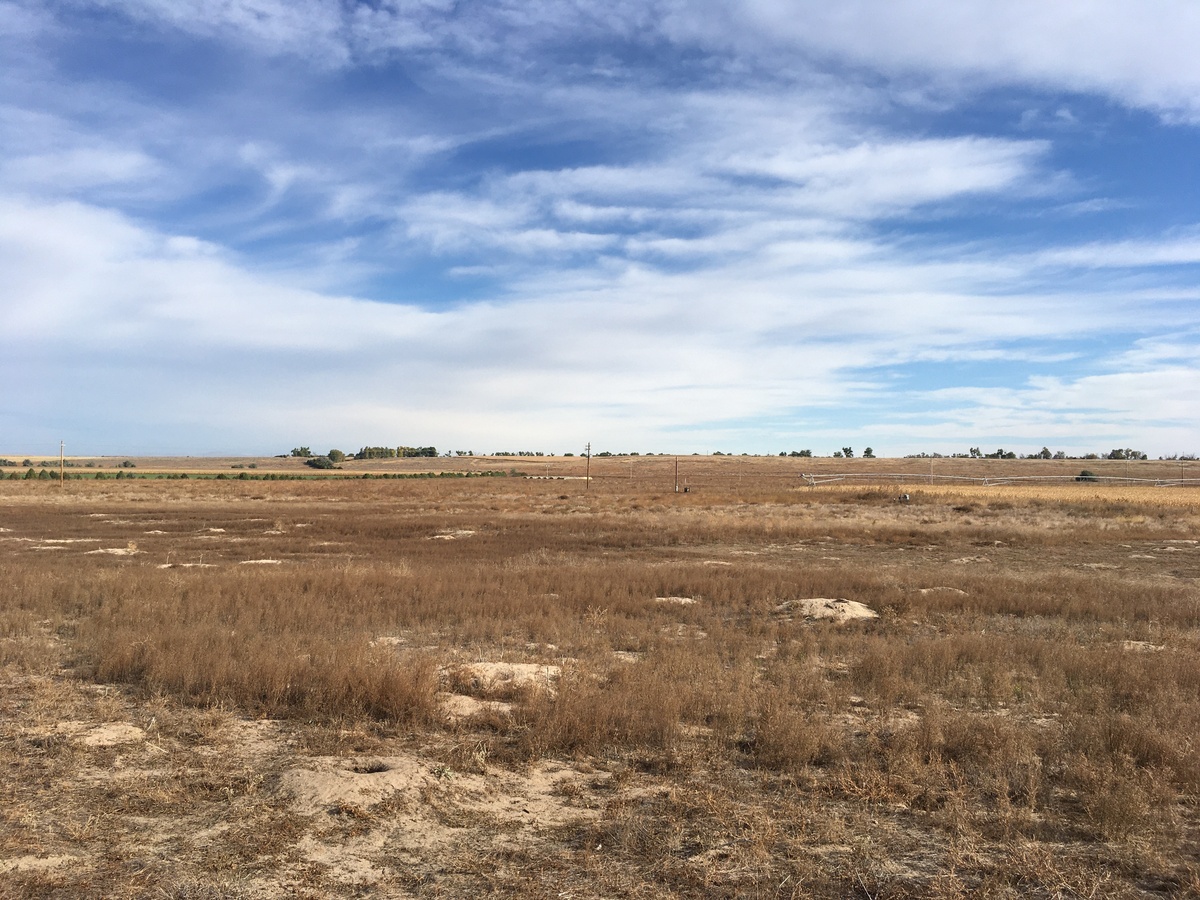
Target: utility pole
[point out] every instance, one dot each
(677, 474)
(62, 473)
(587, 478)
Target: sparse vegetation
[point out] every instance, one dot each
(515, 688)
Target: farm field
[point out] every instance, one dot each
(540, 687)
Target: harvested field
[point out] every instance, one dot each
(532, 687)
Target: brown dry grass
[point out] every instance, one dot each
(1020, 721)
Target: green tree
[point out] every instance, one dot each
(868, 453)
(303, 452)
(336, 456)
(848, 452)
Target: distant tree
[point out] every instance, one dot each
(837, 454)
(319, 462)
(975, 453)
(1060, 455)
(848, 452)
(868, 453)
(1086, 475)
(336, 456)
(1045, 454)
(303, 452)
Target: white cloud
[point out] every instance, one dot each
(1142, 55)
(635, 357)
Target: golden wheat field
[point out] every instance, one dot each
(547, 687)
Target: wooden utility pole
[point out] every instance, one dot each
(677, 474)
(62, 472)
(587, 477)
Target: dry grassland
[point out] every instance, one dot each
(519, 687)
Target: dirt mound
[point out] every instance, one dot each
(503, 679)
(835, 610)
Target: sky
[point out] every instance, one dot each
(242, 226)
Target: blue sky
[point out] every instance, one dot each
(243, 225)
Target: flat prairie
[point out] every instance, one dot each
(532, 685)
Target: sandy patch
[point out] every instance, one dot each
(1141, 646)
(389, 640)
(680, 601)
(112, 735)
(458, 707)
(409, 810)
(945, 590)
(452, 535)
(502, 677)
(115, 551)
(327, 784)
(834, 610)
(260, 562)
(35, 863)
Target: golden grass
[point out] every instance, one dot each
(1021, 720)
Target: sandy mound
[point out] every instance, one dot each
(458, 707)
(838, 611)
(504, 678)
(334, 783)
(407, 810)
(1141, 646)
(112, 735)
